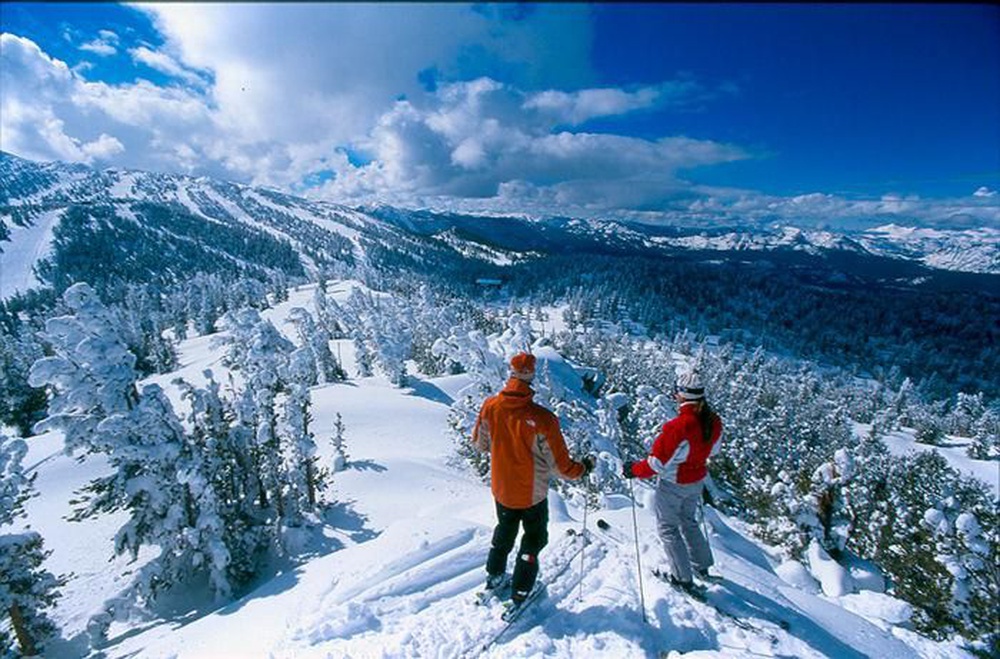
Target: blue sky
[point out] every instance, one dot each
(819, 114)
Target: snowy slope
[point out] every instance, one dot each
(404, 551)
(28, 246)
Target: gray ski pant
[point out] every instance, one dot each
(676, 510)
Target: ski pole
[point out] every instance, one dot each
(704, 522)
(638, 563)
(586, 484)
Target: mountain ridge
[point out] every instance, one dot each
(325, 232)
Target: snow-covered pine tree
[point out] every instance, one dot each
(962, 417)
(351, 316)
(21, 405)
(487, 370)
(339, 442)
(141, 320)
(829, 486)
(330, 314)
(431, 319)
(302, 482)
(315, 338)
(650, 411)
(265, 373)
(160, 479)
(381, 330)
(392, 336)
(968, 552)
(27, 590)
(91, 375)
(157, 475)
(985, 440)
(517, 337)
(223, 446)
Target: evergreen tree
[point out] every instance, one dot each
(339, 445)
(316, 340)
(27, 590)
(985, 441)
(302, 483)
(21, 405)
(91, 376)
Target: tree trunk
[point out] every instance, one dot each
(23, 637)
(311, 482)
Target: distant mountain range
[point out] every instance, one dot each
(196, 220)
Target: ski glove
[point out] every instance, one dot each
(627, 470)
(588, 465)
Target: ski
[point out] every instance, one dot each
(513, 611)
(699, 592)
(500, 593)
(513, 614)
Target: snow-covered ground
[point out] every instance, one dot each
(32, 244)
(953, 449)
(404, 552)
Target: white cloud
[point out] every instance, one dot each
(473, 139)
(105, 45)
(827, 210)
(49, 112)
(450, 106)
(577, 107)
(163, 63)
(347, 63)
(103, 148)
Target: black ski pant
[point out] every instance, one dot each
(535, 521)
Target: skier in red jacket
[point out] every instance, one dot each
(679, 456)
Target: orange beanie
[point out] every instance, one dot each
(522, 364)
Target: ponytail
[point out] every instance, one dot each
(707, 418)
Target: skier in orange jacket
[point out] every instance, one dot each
(526, 447)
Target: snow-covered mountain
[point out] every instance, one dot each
(969, 250)
(400, 556)
(197, 219)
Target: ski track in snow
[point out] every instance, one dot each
(408, 553)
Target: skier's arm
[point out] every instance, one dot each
(481, 433)
(664, 456)
(567, 466)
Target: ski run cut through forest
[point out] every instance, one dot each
(387, 559)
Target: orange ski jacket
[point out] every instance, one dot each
(525, 446)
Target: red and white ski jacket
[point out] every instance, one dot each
(679, 453)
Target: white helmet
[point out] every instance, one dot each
(689, 386)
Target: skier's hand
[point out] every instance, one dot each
(588, 465)
(627, 470)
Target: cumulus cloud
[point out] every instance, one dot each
(347, 63)
(483, 139)
(983, 191)
(50, 112)
(274, 111)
